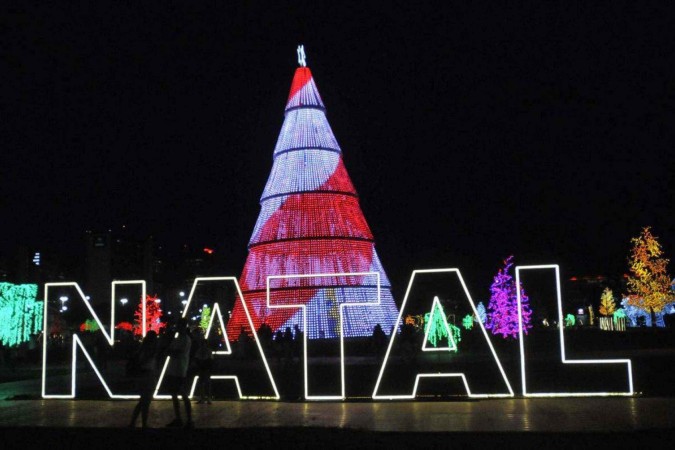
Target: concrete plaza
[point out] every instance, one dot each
(553, 422)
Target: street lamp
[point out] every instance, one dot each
(63, 300)
(124, 301)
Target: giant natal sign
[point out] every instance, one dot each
(402, 391)
(312, 263)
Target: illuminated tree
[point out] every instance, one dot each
(482, 315)
(502, 316)
(633, 314)
(619, 320)
(649, 284)
(153, 314)
(126, 326)
(20, 314)
(206, 318)
(607, 303)
(467, 322)
(89, 325)
(591, 314)
(570, 320)
(311, 222)
(435, 327)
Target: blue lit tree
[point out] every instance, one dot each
(482, 315)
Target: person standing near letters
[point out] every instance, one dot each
(146, 379)
(176, 373)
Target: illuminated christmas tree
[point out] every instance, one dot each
(205, 319)
(502, 316)
(482, 314)
(126, 326)
(649, 284)
(311, 222)
(607, 304)
(437, 328)
(89, 325)
(20, 314)
(570, 321)
(153, 315)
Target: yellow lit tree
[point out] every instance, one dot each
(607, 303)
(648, 282)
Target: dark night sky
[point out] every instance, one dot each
(470, 131)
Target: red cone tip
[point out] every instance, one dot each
(300, 79)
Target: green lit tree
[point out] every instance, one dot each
(570, 320)
(90, 325)
(467, 322)
(205, 319)
(435, 326)
(20, 314)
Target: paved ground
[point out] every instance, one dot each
(581, 422)
(26, 421)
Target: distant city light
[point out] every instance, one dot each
(208, 250)
(181, 293)
(124, 301)
(36, 258)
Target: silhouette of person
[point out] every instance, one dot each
(278, 344)
(298, 339)
(146, 358)
(243, 343)
(288, 344)
(203, 358)
(265, 336)
(379, 339)
(176, 372)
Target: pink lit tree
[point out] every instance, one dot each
(502, 316)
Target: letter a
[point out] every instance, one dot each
(408, 361)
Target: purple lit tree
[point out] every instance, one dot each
(502, 316)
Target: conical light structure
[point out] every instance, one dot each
(311, 223)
